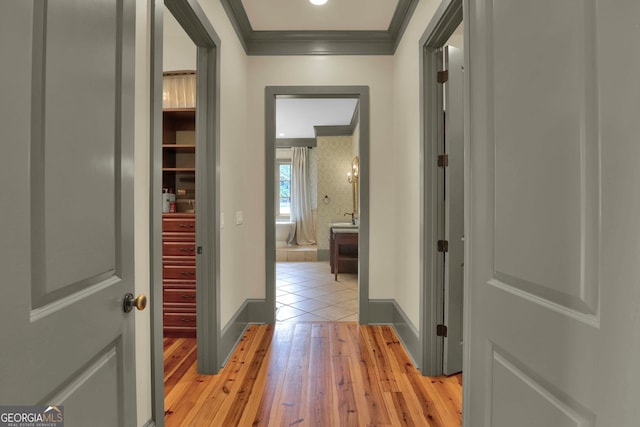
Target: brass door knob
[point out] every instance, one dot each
(139, 302)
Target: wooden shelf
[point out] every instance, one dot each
(178, 169)
(179, 228)
(189, 147)
(178, 110)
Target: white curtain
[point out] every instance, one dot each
(301, 197)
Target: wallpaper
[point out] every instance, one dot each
(334, 162)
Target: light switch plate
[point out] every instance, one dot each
(221, 219)
(239, 217)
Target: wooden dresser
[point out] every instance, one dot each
(179, 274)
(178, 218)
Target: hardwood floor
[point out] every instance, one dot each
(308, 374)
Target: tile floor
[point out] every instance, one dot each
(307, 292)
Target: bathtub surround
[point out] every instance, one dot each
(296, 253)
(284, 231)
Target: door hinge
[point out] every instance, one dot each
(441, 330)
(443, 246)
(443, 160)
(443, 76)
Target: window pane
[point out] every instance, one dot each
(284, 190)
(285, 172)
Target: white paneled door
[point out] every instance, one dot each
(66, 223)
(554, 196)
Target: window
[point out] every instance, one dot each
(283, 189)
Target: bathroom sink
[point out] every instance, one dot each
(343, 225)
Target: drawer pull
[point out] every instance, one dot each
(188, 273)
(186, 225)
(185, 320)
(183, 249)
(186, 296)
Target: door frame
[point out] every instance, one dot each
(196, 25)
(446, 19)
(362, 94)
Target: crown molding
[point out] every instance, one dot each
(341, 130)
(319, 42)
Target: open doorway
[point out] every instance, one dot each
(316, 209)
(358, 275)
(451, 198)
(179, 220)
(442, 240)
(185, 155)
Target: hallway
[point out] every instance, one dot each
(325, 374)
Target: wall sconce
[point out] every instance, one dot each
(352, 177)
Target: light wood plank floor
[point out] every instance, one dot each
(308, 374)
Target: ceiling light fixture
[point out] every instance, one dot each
(318, 2)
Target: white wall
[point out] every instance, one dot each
(406, 139)
(373, 71)
(242, 269)
(179, 51)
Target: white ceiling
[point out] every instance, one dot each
(296, 117)
(291, 15)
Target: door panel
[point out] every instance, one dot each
(66, 232)
(454, 211)
(537, 403)
(553, 179)
(74, 52)
(78, 394)
(73, 148)
(546, 148)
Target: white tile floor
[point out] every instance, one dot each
(307, 292)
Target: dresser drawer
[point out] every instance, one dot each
(178, 248)
(179, 295)
(179, 272)
(181, 223)
(180, 319)
(176, 236)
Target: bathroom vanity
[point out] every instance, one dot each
(343, 249)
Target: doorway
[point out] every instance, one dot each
(360, 93)
(316, 194)
(178, 190)
(195, 24)
(442, 198)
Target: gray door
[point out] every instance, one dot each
(554, 221)
(453, 210)
(66, 223)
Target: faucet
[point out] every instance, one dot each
(353, 217)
